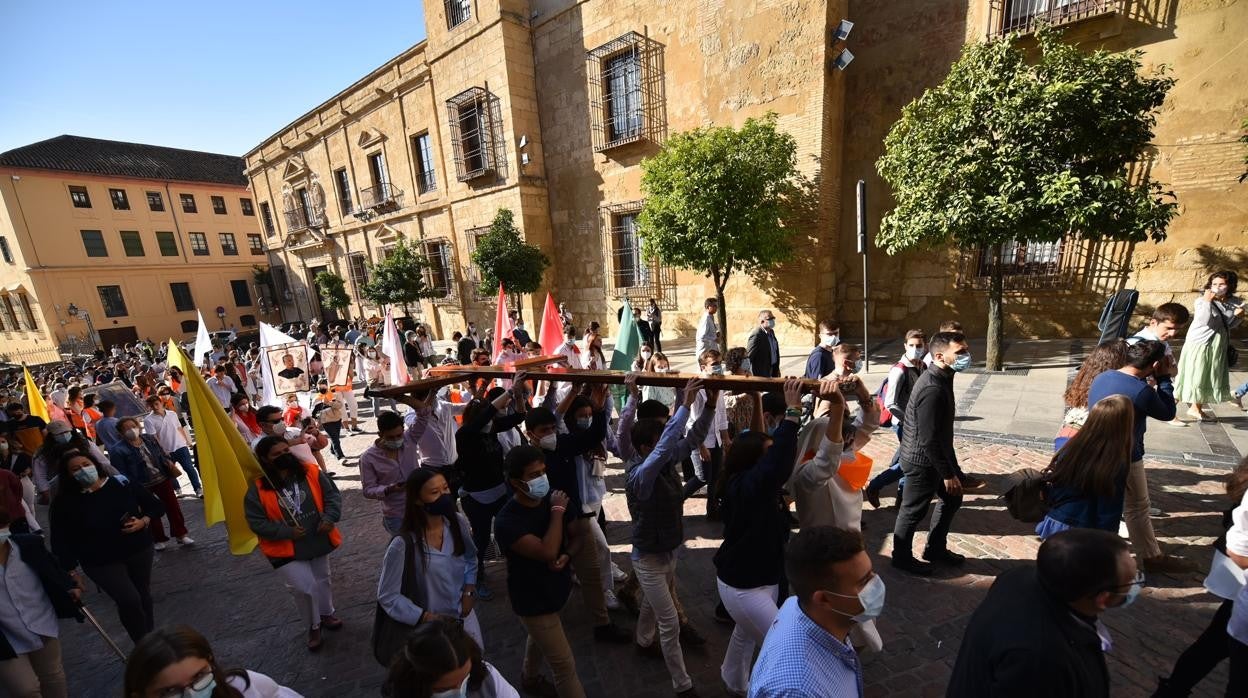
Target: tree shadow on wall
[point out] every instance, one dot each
(790, 283)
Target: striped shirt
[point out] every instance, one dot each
(799, 659)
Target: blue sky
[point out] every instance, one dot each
(219, 76)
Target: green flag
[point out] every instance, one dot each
(627, 342)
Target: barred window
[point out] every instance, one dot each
(457, 12)
(228, 245)
(357, 266)
(218, 205)
(476, 135)
(1029, 15)
(627, 96)
(472, 273)
(255, 243)
(10, 316)
(188, 203)
(113, 302)
(266, 215)
(199, 244)
(154, 201)
(80, 197)
(629, 274)
(27, 313)
(426, 178)
(626, 263)
(120, 201)
(440, 274)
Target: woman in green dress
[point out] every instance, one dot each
(1204, 374)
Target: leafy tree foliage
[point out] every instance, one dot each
(503, 256)
(399, 279)
(333, 290)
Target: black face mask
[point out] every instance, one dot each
(288, 463)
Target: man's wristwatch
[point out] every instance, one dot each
(469, 593)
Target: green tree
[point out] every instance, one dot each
(1008, 149)
(333, 290)
(399, 279)
(716, 199)
(504, 257)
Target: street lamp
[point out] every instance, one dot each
(76, 312)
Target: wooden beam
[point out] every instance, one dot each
(422, 385)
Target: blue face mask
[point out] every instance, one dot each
(539, 488)
(461, 692)
(962, 362)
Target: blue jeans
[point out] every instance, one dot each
(182, 457)
(893, 472)
(1241, 390)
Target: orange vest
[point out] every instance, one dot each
(272, 509)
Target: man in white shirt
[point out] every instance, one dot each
(437, 445)
(167, 429)
(710, 454)
(222, 386)
(708, 332)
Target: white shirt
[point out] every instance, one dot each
(260, 686)
(1148, 334)
(1237, 542)
(437, 444)
(572, 352)
(719, 424)
(166, 429)
(224, 390)
(708, 334)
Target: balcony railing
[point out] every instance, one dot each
(1026, 16)
(382, 197)
(300, 218)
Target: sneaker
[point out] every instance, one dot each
(873, 497)
(612, 633)
(617, 575)
(612, 602)
(331, 622)
(1238, 399)
(913, 566)
(314, 640)
(161, 545)
(945, 556)
(689, 635)
(185, 540)
(1169, 563)
(538, 685)
(970, 482)
(1154, 511)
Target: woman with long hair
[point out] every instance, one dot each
(1204, 371)
(61, 440)
(436, 542)
(658, 363)
(1087, 479)
(178, 661)
(293, 508)
(1109, 355)
(1224, 580)
(750, 560)
(441, 660)
(245, 417)
(103, 525)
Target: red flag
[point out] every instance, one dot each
(502, 324)
(550, 334)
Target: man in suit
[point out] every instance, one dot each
(762, 347)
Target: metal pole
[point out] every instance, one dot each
(103, 633)
(862, 250)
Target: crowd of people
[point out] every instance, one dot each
(523, 462)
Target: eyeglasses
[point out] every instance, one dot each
(198, 684)
(275, 421)
(1139, 579)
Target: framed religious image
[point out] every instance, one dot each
(337, 359)
(288, 365)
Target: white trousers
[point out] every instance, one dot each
(753, 610)
(308, 582)
(352, 405)
(656, 575)
(604, 555)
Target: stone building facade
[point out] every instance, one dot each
(547, 107)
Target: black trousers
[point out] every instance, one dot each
(656, 331)
(128, 582)
(481, 518)
(1237, 686)
(1200, 658)
(922, 483)
(334, 431)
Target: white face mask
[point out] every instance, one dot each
(829, 340)
(461, 692)
(548, 442)
(132, 434)
(913, 353)
(871, 597)
(645, 355)
(278, 429)
(664, 369)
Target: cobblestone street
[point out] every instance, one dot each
(239, 604)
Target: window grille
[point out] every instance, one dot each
(1068, 264)
(457, 12)
(440, 274)
(1026, 16)
(358, 268)
(477, 135)
(626, 93)
(628, 273)
(472, 273)
(426, 177)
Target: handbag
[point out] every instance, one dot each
(1025, 495)
(388, 633)
(1232, 354)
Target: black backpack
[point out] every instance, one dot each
(1116, 315)
(1025, 495)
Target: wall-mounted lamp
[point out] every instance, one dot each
(843, 29)
(843, 59)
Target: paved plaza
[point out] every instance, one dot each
(239, 604)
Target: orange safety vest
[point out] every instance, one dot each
(268, 497)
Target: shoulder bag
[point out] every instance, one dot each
(1232, 354)
(388, 633)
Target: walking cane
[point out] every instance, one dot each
(121, 655)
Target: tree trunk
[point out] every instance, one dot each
(723, 318)
(996, 325)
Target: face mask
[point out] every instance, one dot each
(243, 407)
(1132, 594)
(665, 369)
(584, 423)
(858, 365)
(461, 692)
(4, 535)
(715, 370)
(4, 449)
(322, 391)
(829, 340)
(87, 476)
(278, 429)
(442, 506)
(645, 355)
(913, 353)
(62, 438)
(871, 597)
(132, 433)
(771, 323)
(392, 444)
(962, 362)
(747, 366)
(548, 442)
(203, 691)
(539, 488)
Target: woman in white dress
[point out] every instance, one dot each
(1204, 372)
(179, 661)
